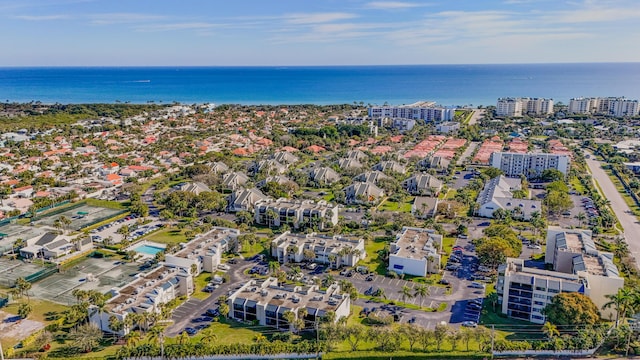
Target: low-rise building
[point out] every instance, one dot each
(194, 187)
(448, 127)
(497, 194)
(205, 251)
(296, 213)
(422, 184)
(266, 302)
(322, 176)
(334, 250)
(424, 207)
(416, 251)
(145, 294)
(438, 163)
(363, 193)
(390, 165)
(244, 200)
(234, 180)
(371, 176)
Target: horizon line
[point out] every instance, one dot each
(305, 66)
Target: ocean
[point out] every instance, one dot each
(396, 85)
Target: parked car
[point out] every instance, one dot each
(470, 324)
(224, 267)
(477, 285)
(370, 278)
(190, 331)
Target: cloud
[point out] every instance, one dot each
(42, 17)
(391, 5)
(177, 26)
(122, 18)
(316, 18)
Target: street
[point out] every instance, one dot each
(620, 208)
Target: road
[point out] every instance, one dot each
(620, 208)
(467, 153)
(477, 115)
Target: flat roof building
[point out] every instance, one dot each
(266, 302)
(296, 213)
(531, 165)
(334, 250)
(205, 251)
(416, 251)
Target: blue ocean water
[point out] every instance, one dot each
(446, 84)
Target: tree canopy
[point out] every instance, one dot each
(572, 309)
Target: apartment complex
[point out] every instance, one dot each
(416, 251)
(614, 106)
(334, 250)
(530, 165)
(296, 213)
(577, 267)
(427, 111)
(516, 107)
(144, 294)
(205, 251)
(267, 302)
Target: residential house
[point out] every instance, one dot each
(234, 180)
(244, 199)
(422, 184)
(284, 157)
(218, 167)
(439, 163)
(389, 166)
(194, 187)
(371, 177)
(322, 176)
(424, 207)
(363, 193)
(348, 163)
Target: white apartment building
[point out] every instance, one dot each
(577, 267)
(296, 213)
(497, 194)
(144, 294)
(530, 165)
(509, 107)
(266, 301)
(205, 251)
(515, 107)
(614, 106)
(416, 251)
(427, 111)
(334, 250)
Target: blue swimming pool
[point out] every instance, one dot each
(148, 249)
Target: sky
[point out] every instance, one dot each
(316, 32)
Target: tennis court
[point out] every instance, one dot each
(91, 274)
(81, 216)
(10, 270)
(12, 232)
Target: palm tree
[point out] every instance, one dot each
(550, 330)
(621, 301)
(405, 293)
(24, 310)
(208, 336)
(328, 280)
(581, 217)
(154, 334)
(289, 316)
(421, 291)
(133, 338)
(115, 324)
(274, 266)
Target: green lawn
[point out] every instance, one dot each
(577, 185)
(231, 332)
(372, 261)
(200, 282)
(42, 310)
(257, 248)
(167, 236)
(395, 206)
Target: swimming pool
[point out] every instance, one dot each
(148, 249)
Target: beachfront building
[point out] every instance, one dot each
(334, 250)
(416, 251)
(205, 251)
(614, 106)
(515, 107)
(296, 213)
(497, 194)
(145, 294)
(531, 165)
(427, 111)
(577, 267)
(267, 302)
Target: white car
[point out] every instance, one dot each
(534, 246)
(224, 267)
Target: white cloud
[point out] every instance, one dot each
(392, 5)
(122, 18)
(316, 18)
(42, 17)
(177, 26)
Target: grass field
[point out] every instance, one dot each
(372, 261)
(167, 236)
(42, 310)
(395, 206)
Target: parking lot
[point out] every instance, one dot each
(110, 231)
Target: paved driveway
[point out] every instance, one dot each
(194, 308)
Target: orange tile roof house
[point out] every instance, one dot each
(315, 148)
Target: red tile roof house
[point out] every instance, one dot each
(315, 149)
(25, 191)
